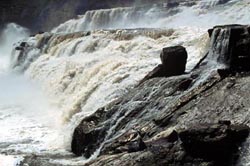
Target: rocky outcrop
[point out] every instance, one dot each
(199, 118)
(204, 144)
(231, 46)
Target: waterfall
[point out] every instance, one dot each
(130, 17)
(87, 70)
(201, 15)
(91, 61)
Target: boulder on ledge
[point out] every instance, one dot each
(173, 60)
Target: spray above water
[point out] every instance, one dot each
(27, 118)
(11, 34)
(16, 89)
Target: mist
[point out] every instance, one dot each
(18, 90)
(11, 34)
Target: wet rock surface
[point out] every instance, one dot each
(198, 118)
(206, 144)
(88, 136)
(130, 141)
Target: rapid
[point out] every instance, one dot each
(59, 77)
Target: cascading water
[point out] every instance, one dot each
(81, 72)
(204, 14)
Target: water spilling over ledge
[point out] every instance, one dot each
(180, 14)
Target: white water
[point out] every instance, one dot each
(27, 119)
(10, 35)
(78, 74)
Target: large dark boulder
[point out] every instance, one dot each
(173, 60)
